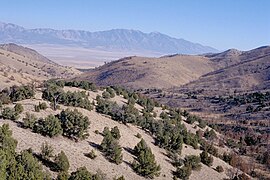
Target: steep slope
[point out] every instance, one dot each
(241, 71)
(19, 65)
(116, 40)
(26, 52)
(76, 151)
(141, 72)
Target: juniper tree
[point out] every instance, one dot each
(29, 120)
(115, 133)
(18, 108)
(206, 158)
(61, 161)
(145, 163)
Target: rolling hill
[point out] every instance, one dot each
(20, 65)
(141, 72)
(231, 69)
(241, 71)
(76, 150)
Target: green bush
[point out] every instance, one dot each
(106, 95)
(4, 96)
(41, 106)
(9, 113)
(61, 161)
(63, 175)
(74, 124)
(138, 135)
(56, 94)
(18, 93)
(29, 120)
(46, 151)
(183, 172)
(210, 135)
(115, 133)
(17, 165)
(111, 92)
(50, 126)
(80, 84)
(210, 148)
(29, 168)
(91, 154)
(193, 161)
(119, 178)
(206, 159)
(81, 174)
(219, 169)
(18, 108)
(202, 124)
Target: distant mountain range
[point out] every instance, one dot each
(111, 40)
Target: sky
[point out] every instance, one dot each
(222, 24)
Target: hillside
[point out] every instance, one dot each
(141, 72)
(241, 71)
(76, 150)
(20, 65)
(114, 40)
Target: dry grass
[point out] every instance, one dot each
(140, 72)
(76, 150)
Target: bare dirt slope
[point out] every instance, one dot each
(76, 150)
(241, 71)
(20, 65)
(141, 72)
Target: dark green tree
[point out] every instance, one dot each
(145, 163)
(183, 172)
(63, 175)
(50, 126)
(9, 113)
(18, 108)
(29, 120)
(61, 161)
(193, 161)
(111, 148)
(81, 173)
(74, 124)
(115, 133)
(206, 158)
(18, 93)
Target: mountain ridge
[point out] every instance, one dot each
(114, 39)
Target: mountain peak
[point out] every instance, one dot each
(125, 40)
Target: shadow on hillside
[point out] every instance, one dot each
(129, 150)
(46, 162)
(128, 163)
(19, 124)
(94, 145)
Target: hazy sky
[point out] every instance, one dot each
(223, 24)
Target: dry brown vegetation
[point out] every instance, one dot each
(19, 65)
(76, 151)
(141, 72)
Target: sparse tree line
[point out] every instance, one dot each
(16, 93)
(26, 164)
(56, 95)
(79, 84)
(169, 133)
(256, 101)
(71, 124)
